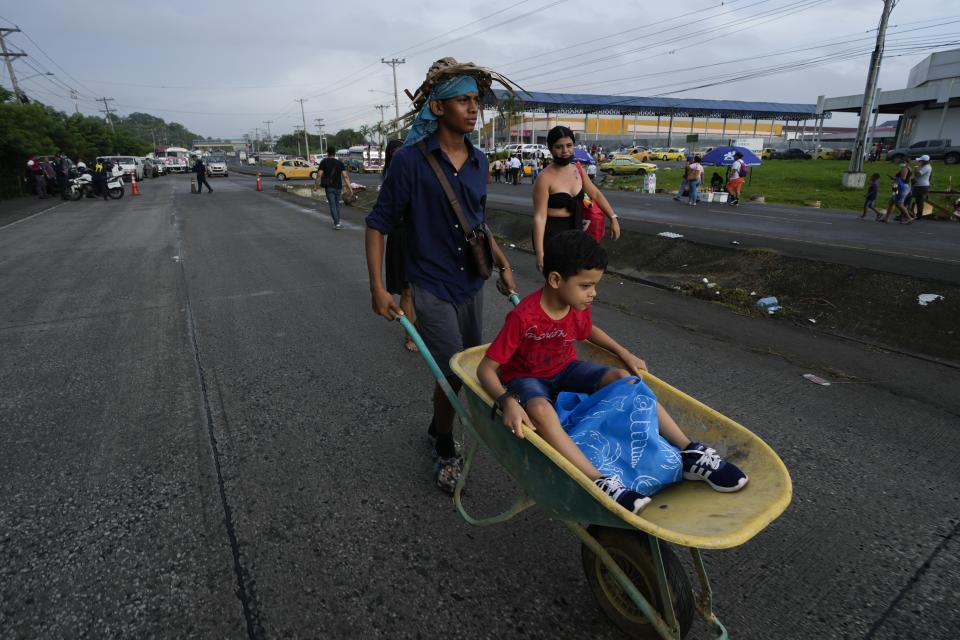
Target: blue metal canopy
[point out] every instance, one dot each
(540, 102)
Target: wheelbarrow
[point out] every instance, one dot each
(636, 578)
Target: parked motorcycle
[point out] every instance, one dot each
(82, 186)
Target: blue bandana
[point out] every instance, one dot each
(426, 123)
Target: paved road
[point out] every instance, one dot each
(206, 433)
(920, 250)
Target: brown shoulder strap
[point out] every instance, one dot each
(445, 184)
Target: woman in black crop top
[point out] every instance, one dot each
(555, 208)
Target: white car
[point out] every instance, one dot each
(534, 151)
(216, 165)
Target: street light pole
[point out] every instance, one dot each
(854, 176)
(323, 139)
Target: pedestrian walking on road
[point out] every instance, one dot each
(201, 170)
(331, 175)
(735, 177)
(922, 173)
(873, 190)
(694, 177)
(560, 192)
(515, 170)
(497, 169)
(447, 286)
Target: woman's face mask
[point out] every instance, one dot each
(562, 151)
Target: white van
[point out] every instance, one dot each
(129, 166)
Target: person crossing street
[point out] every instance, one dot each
(201, 170)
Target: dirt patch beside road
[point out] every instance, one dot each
(873, 306)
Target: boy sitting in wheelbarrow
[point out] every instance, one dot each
(534, 356)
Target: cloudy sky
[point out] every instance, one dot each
(222, 67)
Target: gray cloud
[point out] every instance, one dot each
(222, 68)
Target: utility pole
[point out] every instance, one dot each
(396, 96)
(854, 177)
(381, 108)
(269, 137)
(306, 142)
(75, 96)
(323, 139)
(107, 110)
(21, 96)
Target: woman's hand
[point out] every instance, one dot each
(540, 264)
(615, 228)
(514, 417)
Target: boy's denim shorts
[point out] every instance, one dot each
(580, 376)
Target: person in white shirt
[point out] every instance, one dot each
(592, 171)
(735, 179)
(515, 165)
(922, 172)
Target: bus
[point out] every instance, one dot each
(363, 159)
(176, 159)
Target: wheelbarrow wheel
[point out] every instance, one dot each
(631, 551)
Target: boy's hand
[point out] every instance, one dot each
(514, 417)
(634, 364)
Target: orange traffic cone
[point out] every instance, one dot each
(134, 189)
(259, 182)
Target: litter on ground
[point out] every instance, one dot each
(770, 303)
(926, 298)
(669, 234)
(816, 379)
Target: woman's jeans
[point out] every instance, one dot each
(693, 184)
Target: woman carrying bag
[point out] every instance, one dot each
(562, 195)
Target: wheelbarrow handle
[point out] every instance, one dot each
(432, 365)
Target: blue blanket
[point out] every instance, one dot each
(617, 429)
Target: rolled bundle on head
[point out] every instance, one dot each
(446, 79)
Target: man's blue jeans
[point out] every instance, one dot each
(333, 197)
(693, 184)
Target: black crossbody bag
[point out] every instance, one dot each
(479, 239)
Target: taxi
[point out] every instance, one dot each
(671, 154)
(766, 153)
(294, 169)
(625, 165)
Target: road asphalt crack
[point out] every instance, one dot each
(244, 590)
(914, 579)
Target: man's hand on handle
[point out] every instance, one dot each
(384, 304)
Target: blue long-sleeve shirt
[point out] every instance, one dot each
(436, 254)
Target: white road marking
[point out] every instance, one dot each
(34, 215)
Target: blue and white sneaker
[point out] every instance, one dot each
(629, 499)
(700, 462)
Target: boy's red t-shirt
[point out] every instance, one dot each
(531, 344)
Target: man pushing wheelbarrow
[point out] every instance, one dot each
(437, 186)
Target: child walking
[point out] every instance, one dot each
(871, 198)
(533, 359)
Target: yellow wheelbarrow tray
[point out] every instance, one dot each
(638, 583)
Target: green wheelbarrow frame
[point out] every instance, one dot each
(555, 485)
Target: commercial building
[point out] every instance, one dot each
(929, 107)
